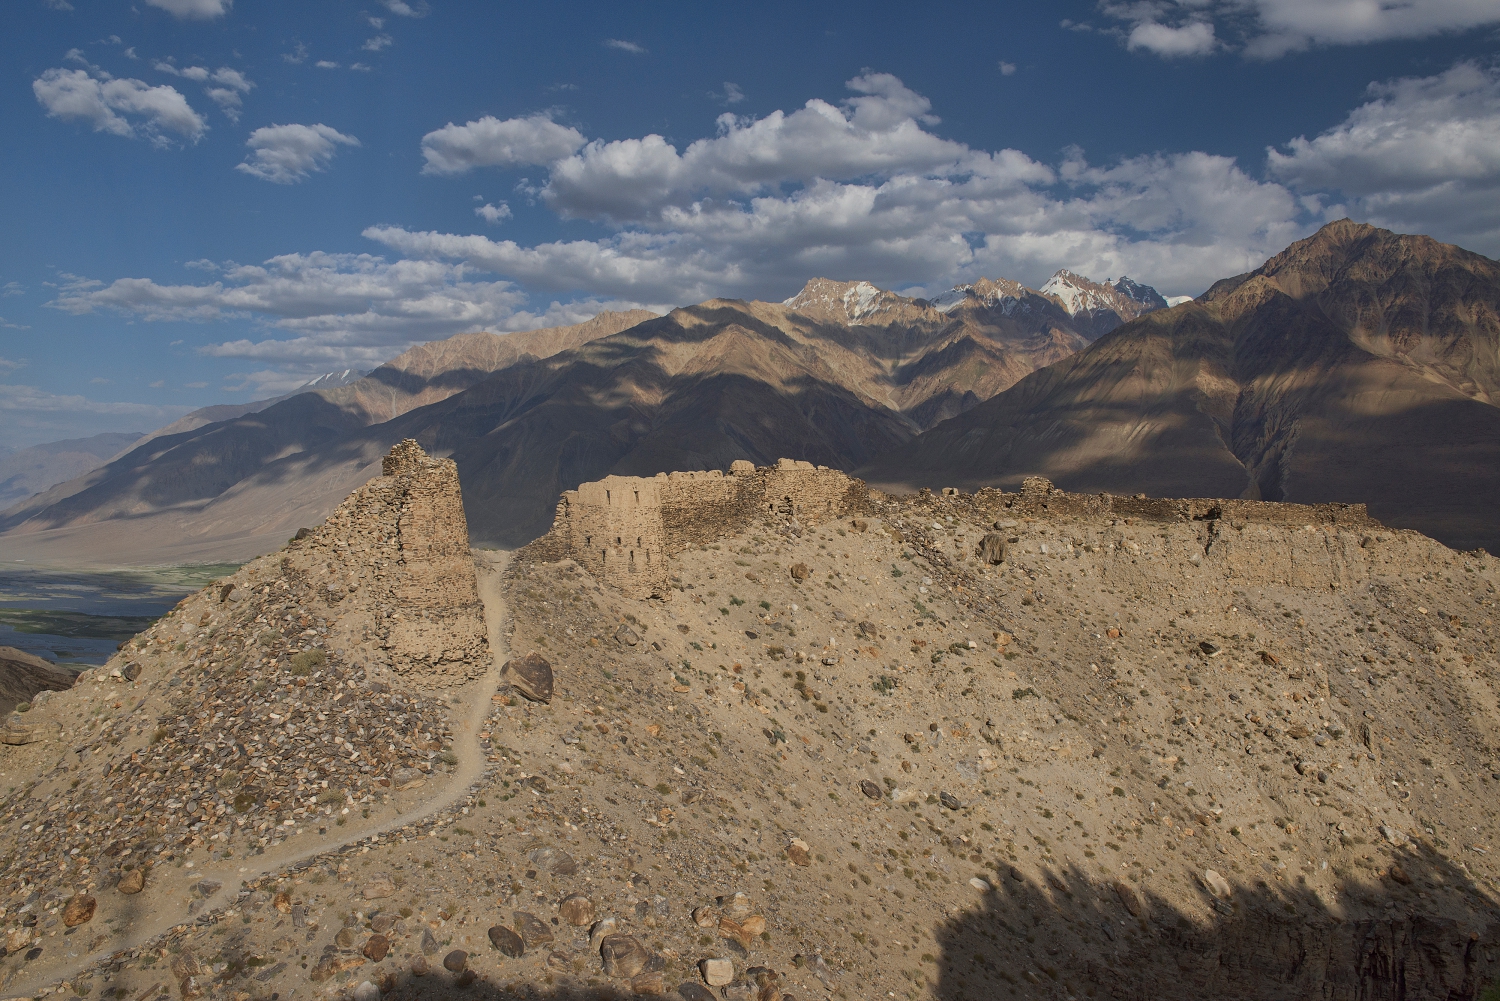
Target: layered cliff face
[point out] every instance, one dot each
(1359, 365)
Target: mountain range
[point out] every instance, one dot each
(1358, 365)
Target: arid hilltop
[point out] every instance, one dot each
(952, 745)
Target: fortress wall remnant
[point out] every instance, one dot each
(401, 542)
(622, 529)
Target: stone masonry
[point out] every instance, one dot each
(622, 528)
(399, 546)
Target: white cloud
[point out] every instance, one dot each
(7, 363)
(297, 56)
(33, 415)
(377, 43)
(13, 326)
(1268, 29)
(287, 154)
(359, 67)
(490, 142)
(1007, 69)
(376, 22)
(197, 74)
(1423, 154)
(878, 132)
(321, 311)
(493, 214)
(1195, 38)
(201, 10)
(12, 288)
(733, 94)
(130, 53)
(405, 9)
(326, 64)
(624, 46)
(59, 4)
(129, 108)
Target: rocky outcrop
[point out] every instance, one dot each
(23, 675)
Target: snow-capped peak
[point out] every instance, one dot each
(332, 380)
(1077, 294)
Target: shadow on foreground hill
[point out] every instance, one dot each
(1414, 926)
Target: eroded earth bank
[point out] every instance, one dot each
(802, 739)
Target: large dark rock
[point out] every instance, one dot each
(530, 675)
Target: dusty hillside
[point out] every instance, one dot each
(1356, 366)
(1160, 748)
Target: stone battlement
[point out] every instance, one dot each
(622, 529)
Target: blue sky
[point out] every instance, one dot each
(209, 201)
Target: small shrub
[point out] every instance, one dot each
(307, 661)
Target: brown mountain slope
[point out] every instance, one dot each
(31, 470)
(833, 376)
(1355, 366)
(163, 488)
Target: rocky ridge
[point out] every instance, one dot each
(947, 745)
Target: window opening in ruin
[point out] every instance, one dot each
(638, 540)
(588, 540)
(637, 496)
(603, 553)
(606, 496)
(619, 540)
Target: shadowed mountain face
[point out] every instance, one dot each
(232, 478)
(30, 470)
(1358, 365)
(835, 375)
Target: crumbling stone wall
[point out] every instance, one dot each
(399, 546)
(622, 529)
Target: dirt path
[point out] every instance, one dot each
(155, 922)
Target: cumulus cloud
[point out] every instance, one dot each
(624, 46)
(1007, 69)
(404, 9)
(490, 142)
(732, 94)
(1268, 29)
(228, 84)
(1195, 38)
(863, 188)
(199, 10)
(878, 132)
(326, 64)
(493, 214)
(377, 43)
(287, 154)
(12, 288)
(1423, 154)
(320, 311)
(129, 108)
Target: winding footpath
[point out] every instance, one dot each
(490, 565)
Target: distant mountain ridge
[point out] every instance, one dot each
(1357, 365)
(28, 471)
(836, 374)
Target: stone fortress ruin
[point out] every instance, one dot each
(400, 546)
(621, 529)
